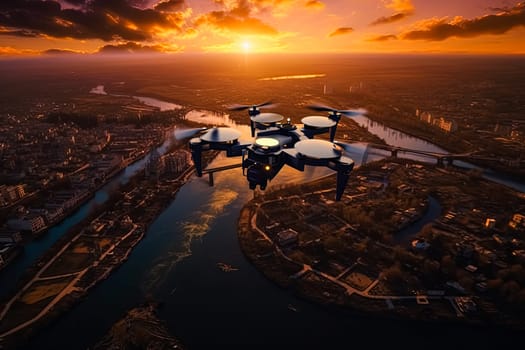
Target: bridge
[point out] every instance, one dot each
(441, 158)
(220, 168)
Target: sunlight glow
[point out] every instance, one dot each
(246, 46)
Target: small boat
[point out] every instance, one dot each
(226, 268)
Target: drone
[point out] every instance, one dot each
(278, 143)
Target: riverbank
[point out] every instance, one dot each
(343, 253)
(86, 255)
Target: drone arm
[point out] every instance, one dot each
(196, 148)
(236, 149)
(343, 167)
(336, 117)
(294, 159)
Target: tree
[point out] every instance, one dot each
(431, 267)
(448, 266)
(393, 274)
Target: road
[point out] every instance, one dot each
(350, 290)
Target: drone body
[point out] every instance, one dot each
(278, 144)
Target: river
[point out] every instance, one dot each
(34, 249)
(176, 264)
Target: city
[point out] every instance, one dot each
(130, 217)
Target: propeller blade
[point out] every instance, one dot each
(354, 112)
(320, 108)
(180, 134)
(266, 104)
(348, 112)
(239, 107)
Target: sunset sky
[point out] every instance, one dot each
(30, 27)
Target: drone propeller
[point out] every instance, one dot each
(221, 135)
(318, 149)
(237, 107)
(317, 122)
(267, 118)
(347, 112)
(187, 133)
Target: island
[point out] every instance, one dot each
(139, 329)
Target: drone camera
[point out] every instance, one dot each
(258, 174)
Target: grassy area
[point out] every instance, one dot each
(43, 290)
(33, 301)
(358, 280)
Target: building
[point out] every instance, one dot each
(154, 165)
(33, 223)
(287, 238)
(517, 222)
(177, 162)
(490, 223)
(10, 194)
(8, 236)
(425, 117)
(445, 125)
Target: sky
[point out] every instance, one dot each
(35, 27)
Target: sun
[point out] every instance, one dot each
(246, 46)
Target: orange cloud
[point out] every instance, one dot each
(389, 19)
(380, 38)
(442, 29)
(11, 51)
(403, 8)
(236, 17)
(314, 5)
(341, 31)
(226, 22)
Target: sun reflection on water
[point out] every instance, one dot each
(192, 228)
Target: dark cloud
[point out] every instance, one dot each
(19, 32)
(341, 31)
(76, 2)
(389, 19)
(95, 19)
(131, 47)
(237, 18)
(383, 37)
(59, 52)
(170, 5)
(437, 30)
(314, 4)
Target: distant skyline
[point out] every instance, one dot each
(34, 27)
